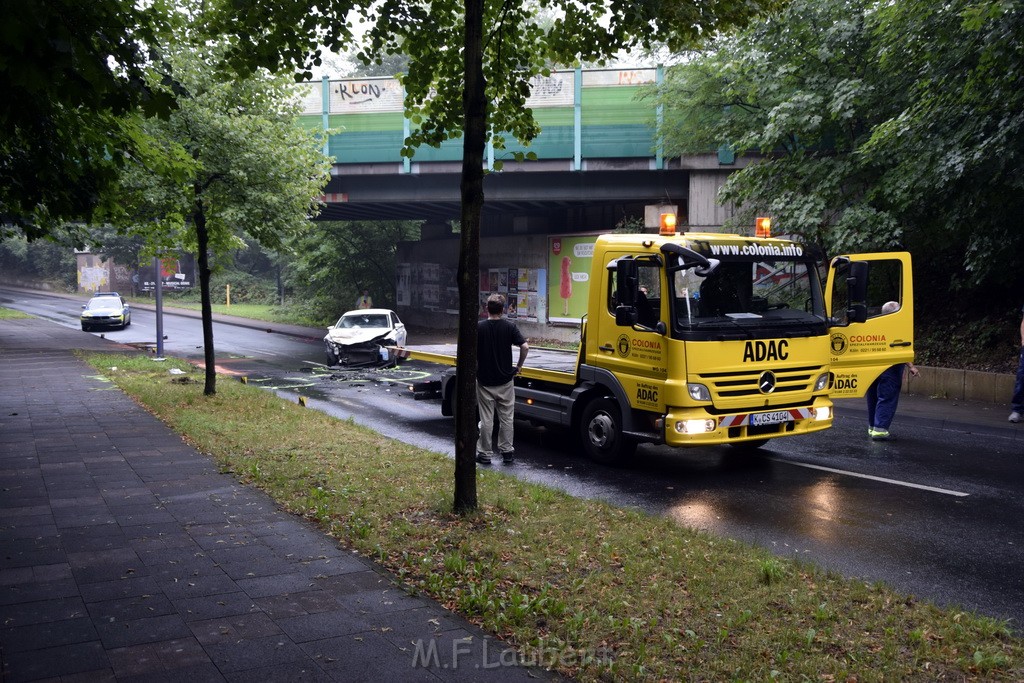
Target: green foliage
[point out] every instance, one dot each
(334, 261)
(44, 260)
(796, 88)
(231, 160)
(631, 225)
(232, 152)
(897, 126)
(68, 71)
(245, 289)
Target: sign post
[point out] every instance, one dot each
(158, 289)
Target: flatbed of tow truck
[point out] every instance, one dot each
(544, 364)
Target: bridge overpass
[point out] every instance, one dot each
(598, 158)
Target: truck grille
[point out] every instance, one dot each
(733, 385)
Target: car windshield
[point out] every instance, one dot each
(363, 320)
(105, 303)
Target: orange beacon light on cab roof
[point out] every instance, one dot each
(668, 224)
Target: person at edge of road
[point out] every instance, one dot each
(1017, 401)
(884, 393)
(495, 375)
(364, 300)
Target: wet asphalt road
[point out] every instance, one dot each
(935, 513)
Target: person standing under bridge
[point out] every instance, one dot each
(495, 379)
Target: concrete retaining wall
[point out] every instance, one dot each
(963, 385)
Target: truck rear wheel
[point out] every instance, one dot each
(601, 432)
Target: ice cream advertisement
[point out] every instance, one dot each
(569, 258)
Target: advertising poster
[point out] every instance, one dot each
(523, 289)
(569, 258)
(176, 273)
(403, 284)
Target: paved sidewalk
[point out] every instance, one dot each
(127, 556)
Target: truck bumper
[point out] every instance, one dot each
(698, 427)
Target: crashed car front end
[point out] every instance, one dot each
(360, 354)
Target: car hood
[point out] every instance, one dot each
(355, 335)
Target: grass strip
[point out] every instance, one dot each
(594, 591)
(264, 312)
(11, 314)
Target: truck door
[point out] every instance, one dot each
(870, 299)
(635, 355)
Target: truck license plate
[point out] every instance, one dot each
(759, 419)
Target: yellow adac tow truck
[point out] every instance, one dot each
(699, 339)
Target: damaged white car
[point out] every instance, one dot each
(360, 338)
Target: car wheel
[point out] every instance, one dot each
(601, 432)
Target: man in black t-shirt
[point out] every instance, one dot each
(495, 375)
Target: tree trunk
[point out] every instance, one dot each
(203, 261)
(474, 106)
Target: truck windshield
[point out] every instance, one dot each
(756, 298)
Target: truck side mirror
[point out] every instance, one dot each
(627, 282)
(857, 313)
(626, 316)
(857, 292)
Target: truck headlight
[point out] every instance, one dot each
(700, 426)
(698, 392)
(822, 413)
(822, 382)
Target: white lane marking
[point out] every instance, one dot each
(897, 482)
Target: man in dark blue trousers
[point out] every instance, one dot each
(1017, 402)
(884, 393)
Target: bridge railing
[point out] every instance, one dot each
(583, 114)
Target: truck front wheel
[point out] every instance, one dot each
(601, 432)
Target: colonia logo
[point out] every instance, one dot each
(839, 343)
(754, 351)
(623, 346)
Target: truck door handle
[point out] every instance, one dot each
(900, 343)
(606, 347)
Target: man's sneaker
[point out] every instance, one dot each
(1015, 416)
(508, 458)
(871, 431)
(483, 458)
(880, 434)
